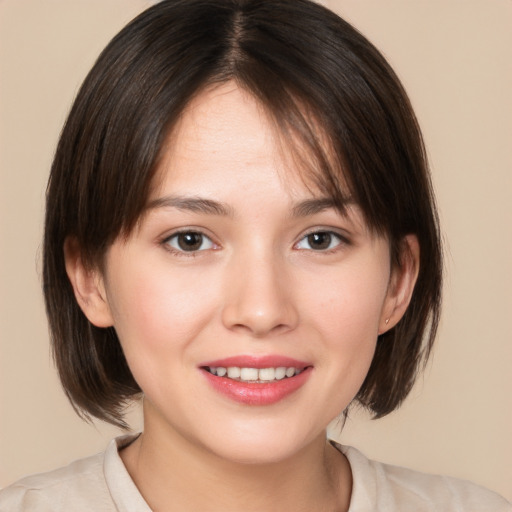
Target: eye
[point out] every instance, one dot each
(320, 241)
(189, 241)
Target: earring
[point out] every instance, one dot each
(387, 321)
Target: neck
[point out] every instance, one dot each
(174, 474)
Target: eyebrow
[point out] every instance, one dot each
(192, 204)
(211, 207)
(313, 206)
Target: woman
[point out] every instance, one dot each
(240, 226)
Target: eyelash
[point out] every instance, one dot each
(341, 241)
(181, 252)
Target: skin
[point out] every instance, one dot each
(257, 286)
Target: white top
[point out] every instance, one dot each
(101, 483)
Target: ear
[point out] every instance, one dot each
(401, 284)
(88, 286)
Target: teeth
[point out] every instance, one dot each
(254, 374)
(290, 372)
(280, 373)
(234, 372)
(267, 374)
(249, 374)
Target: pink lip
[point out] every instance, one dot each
(253, 393)
(267, 361)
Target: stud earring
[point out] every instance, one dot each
(387, 321)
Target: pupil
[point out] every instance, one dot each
(319, 240)
(190, 241)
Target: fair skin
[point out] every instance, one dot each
(254, 281)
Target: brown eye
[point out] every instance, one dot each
(320, 241)
(189, 241)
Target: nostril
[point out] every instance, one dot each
(260, 329)
(258, 302)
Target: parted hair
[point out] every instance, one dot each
(333, 97)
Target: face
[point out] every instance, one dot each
(247, 306)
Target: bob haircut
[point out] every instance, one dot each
(335, 102)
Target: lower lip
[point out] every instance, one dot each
(253, 393)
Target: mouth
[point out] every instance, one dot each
(257, 380)
(254, 375)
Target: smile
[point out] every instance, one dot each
(257, 375)
(256, 380)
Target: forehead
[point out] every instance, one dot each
(216, 114)
(222, 133)
(225, 135)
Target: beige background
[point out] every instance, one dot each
(454, 57)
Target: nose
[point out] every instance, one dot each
(259, 296)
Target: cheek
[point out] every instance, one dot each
(346, 311)
(351, 301)
(157, 311)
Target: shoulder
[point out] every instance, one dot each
(378, 486)
(71, 486)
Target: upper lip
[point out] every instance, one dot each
(257, 361)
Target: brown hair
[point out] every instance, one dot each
(309, 68)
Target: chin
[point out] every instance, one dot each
(262, 445)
